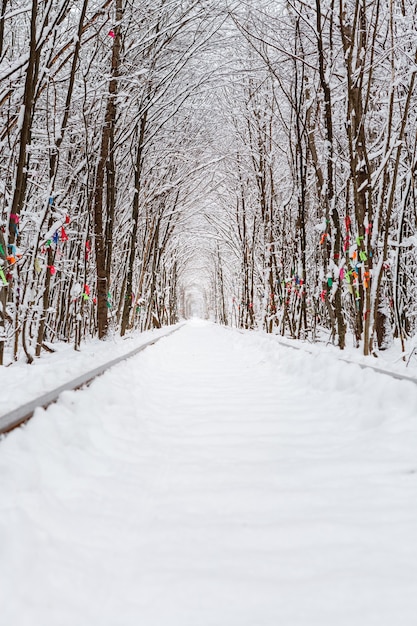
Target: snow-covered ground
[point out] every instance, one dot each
(216, 479)
(21, 383)
(390, 360)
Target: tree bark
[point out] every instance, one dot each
(107, 137)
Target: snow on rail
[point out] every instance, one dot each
(298, 345)
(364, 366)
(216, 479)
(21, 414)
(16, 416)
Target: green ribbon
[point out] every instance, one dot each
(2, 276)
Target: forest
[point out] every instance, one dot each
(252, 162)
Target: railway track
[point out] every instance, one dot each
(22, 414)
(363, 366)
(15, 418)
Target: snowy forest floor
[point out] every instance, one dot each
(216, 479)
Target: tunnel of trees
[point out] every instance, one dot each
(249, 162)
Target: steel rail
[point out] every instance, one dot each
(379, 370)
(303, 348)
(20, 415)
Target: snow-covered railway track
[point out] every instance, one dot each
(15, 418)
(18, 416)
(300, 347)
(240, 482)
(363, 366)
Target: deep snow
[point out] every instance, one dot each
(216, 479)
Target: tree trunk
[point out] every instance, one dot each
(107, 138)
